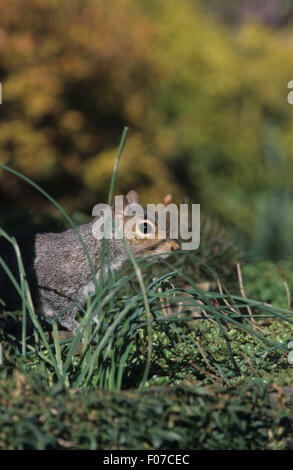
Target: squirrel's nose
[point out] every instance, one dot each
(174, 245)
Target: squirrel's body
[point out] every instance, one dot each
(58, 270)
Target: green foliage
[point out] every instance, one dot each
(143, 323)
(248, 417)
(266, 281)
(162, 330)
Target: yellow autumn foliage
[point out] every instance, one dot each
(203, 100)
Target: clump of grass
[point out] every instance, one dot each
(136, 310)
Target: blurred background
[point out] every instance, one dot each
(202, 85)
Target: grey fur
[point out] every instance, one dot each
(58, 271)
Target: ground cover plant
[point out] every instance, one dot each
(183, 358)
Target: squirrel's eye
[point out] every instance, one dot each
(145, 228)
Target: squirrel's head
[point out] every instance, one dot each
(145, 230)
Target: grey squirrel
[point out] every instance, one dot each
(58, 271)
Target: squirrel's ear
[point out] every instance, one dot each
(132, 197)
(121, 202)
(167, 200)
